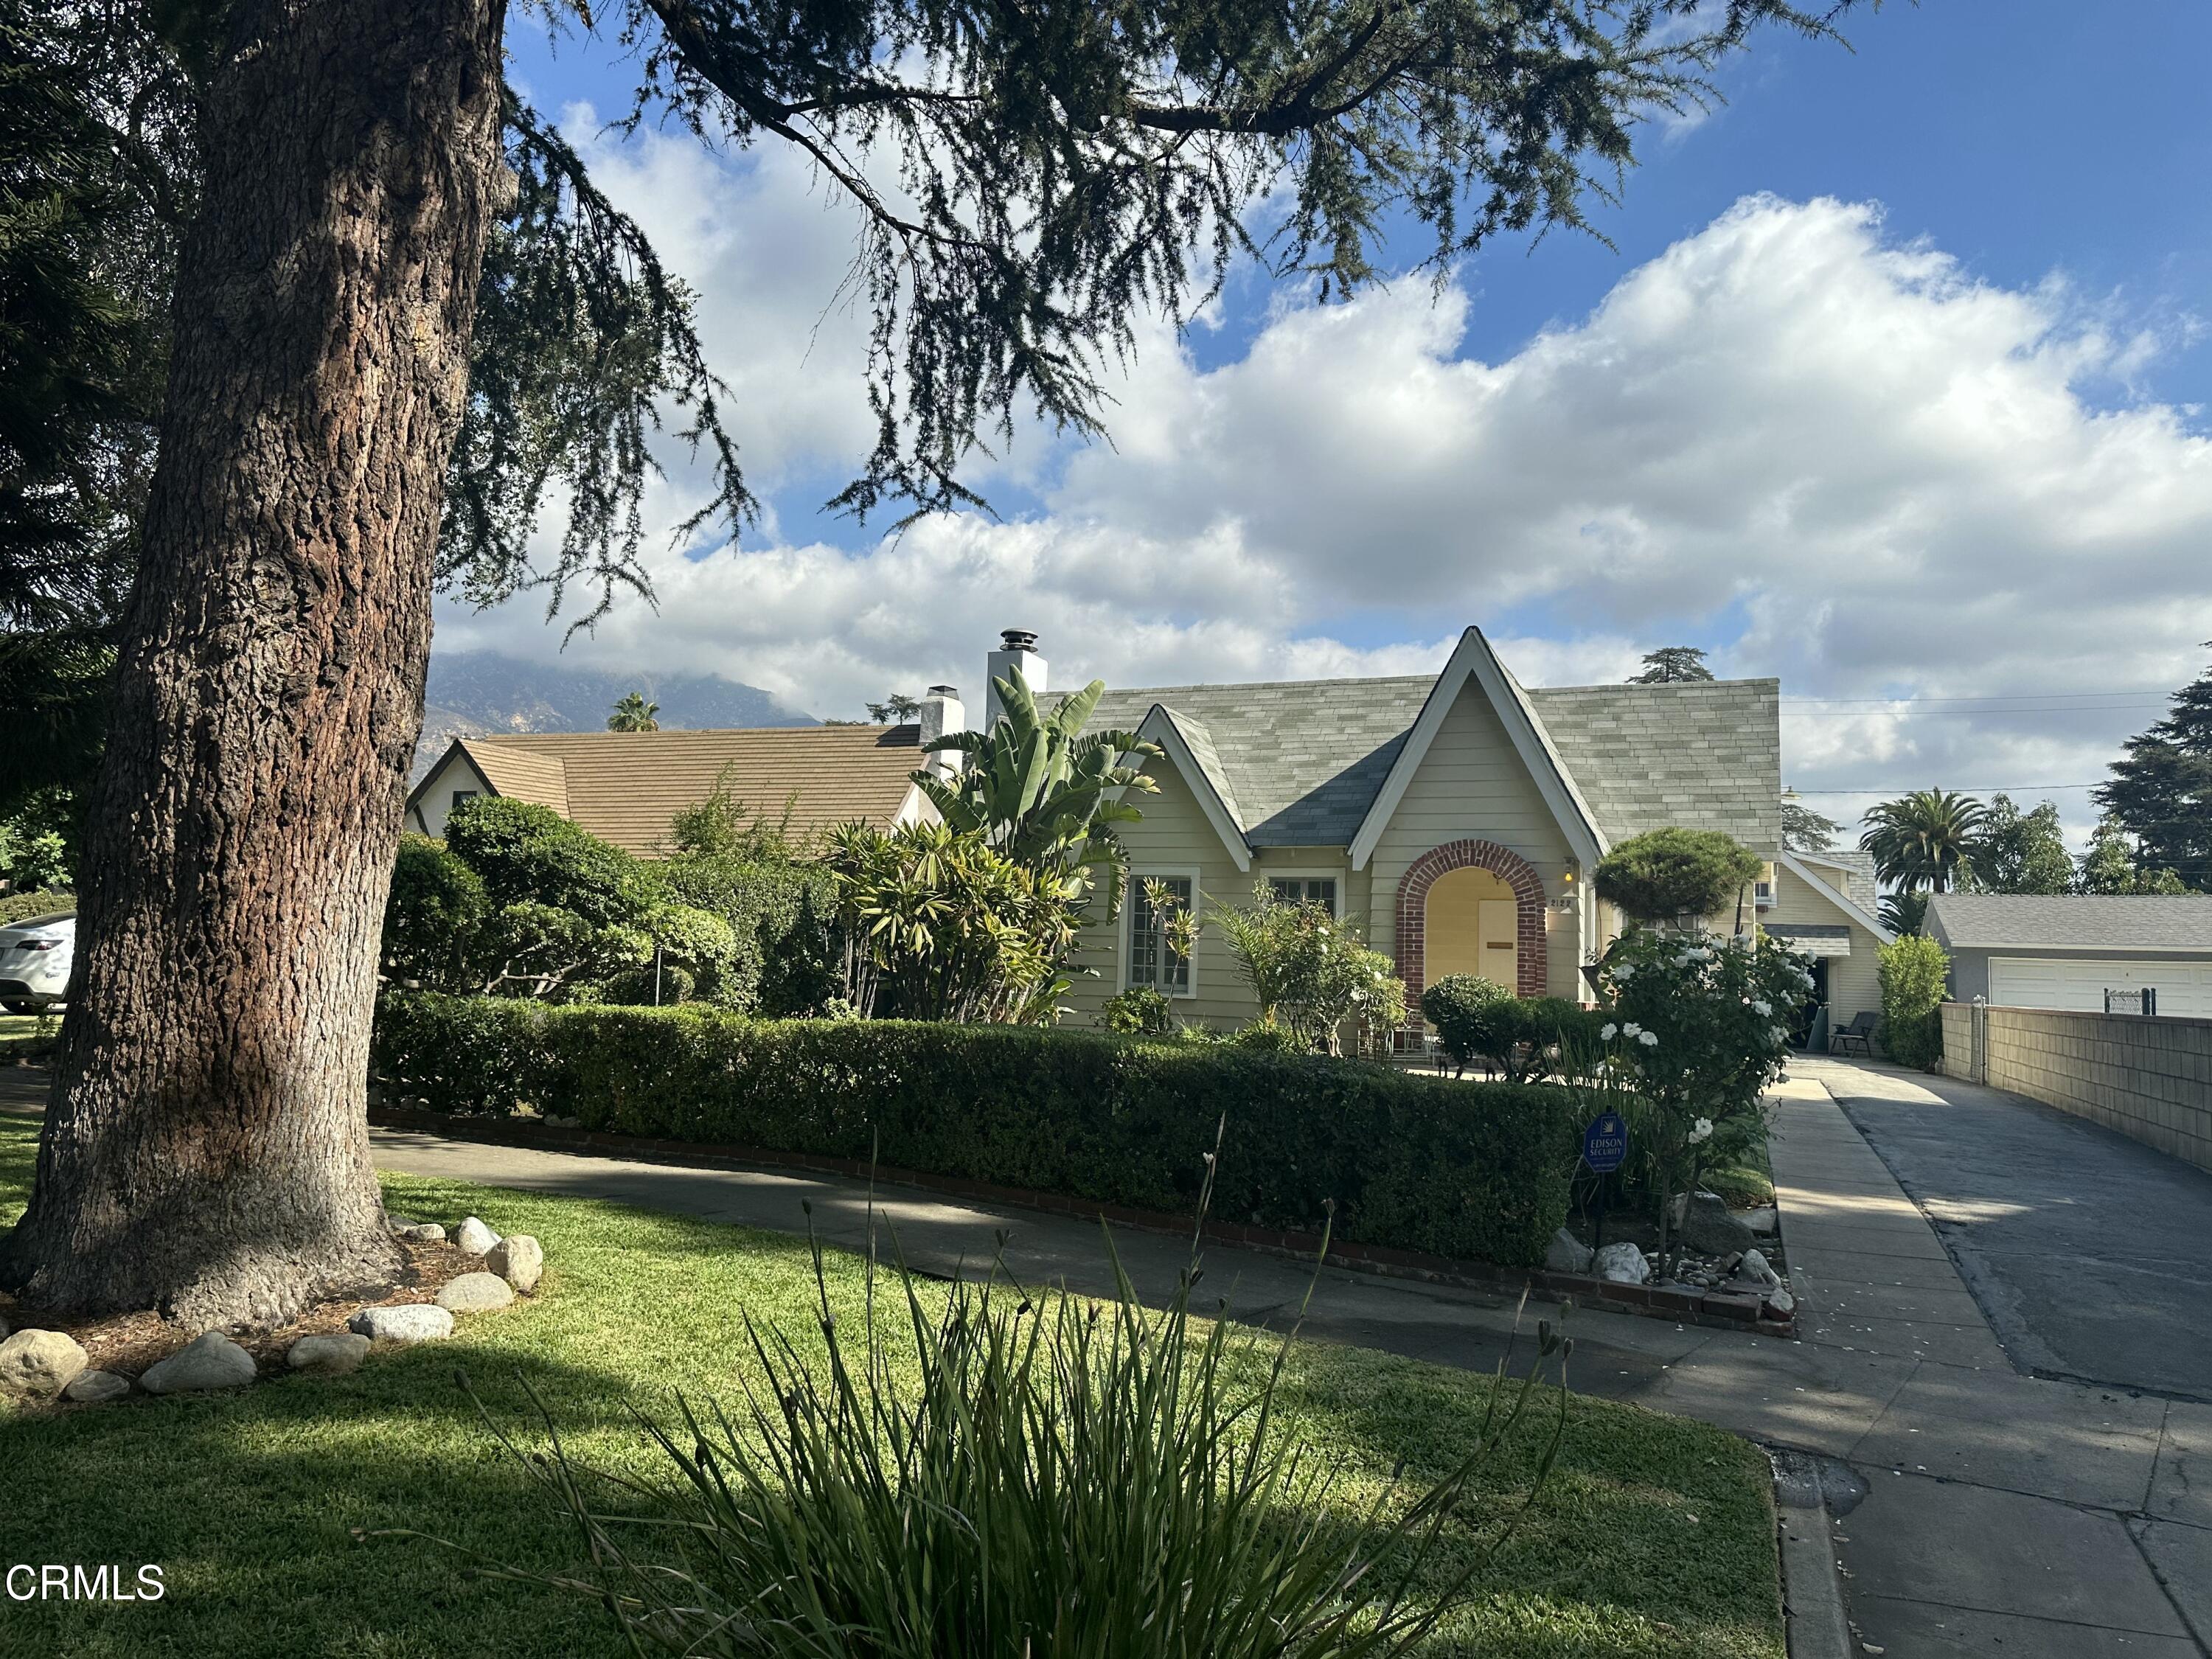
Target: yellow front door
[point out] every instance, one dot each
(1472, 926)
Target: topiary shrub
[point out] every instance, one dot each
(525, 853)
(437, 903)
(1470, 1016)
(1913, 970)
(1668, 875)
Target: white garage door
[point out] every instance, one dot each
(2185, 988)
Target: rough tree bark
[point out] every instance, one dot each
(206, 1152)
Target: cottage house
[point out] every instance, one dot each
(1455, 817)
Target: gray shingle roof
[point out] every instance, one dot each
(1301, 759)
(2078, 922)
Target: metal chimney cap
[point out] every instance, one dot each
(943, 691)
(1017, 639)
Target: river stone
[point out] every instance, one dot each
(1705, 1225)
(1566, 1253)
(410, 1322)
(40, 1364)
(476, 1293)
(93, 1386)
(475, 1237)
(519, 1260)
(210, 1360)
(420, 1232)
(1623, 1264)
(333, 1354)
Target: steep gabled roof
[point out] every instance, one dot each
(1190, 746)
(628, 786)
(1474, 659)
(1837, 895)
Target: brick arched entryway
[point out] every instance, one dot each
(1532, 970)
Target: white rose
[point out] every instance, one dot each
(1702, 1132)
(1762, 1009)
(1632, 1030)
(1608, 1032)
(1649, 1039)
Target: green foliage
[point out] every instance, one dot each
(894, 709)
(1913, 969)
(1116, 1481)
(2114, 863)
(1804, 830)
(1312, 973)
(1673, 665)
(39, 902)
(1041, 790)
(1905, 911)
(1472, 1170)
(2160, 791)
(937, 923)
(724, 827)
(1667, 875)
(38, 839)
(530, 854)
(1525, 1038)
(785, 956)
(1926, 840)
(431, 919)
(2019, 852)
(1140, 1011)
(1470, 1019)
(633, 714)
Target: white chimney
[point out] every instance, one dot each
(1016, 654)
(942, 712)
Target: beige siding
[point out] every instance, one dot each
(1853, 986)
(1473, 786)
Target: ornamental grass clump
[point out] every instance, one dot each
(999, 1474)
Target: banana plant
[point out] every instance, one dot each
(1042, 791)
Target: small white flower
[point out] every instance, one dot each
(1762, 1009)
(1702, 1132)
(1632, 1030)
(1777, 1034)
(1624, 970)
(1649, 1039)
(1608, 1031)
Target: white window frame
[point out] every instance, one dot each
(1337, 876)
(1127, 930)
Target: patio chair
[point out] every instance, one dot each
(1860, 1030)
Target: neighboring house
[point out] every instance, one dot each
(1457, 817)
(1824, 904)
(2026, 951)
(627, 786)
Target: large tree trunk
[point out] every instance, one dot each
(207, 1152)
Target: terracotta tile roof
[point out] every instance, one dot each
(627, 786)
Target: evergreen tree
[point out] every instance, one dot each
(404, 321)
(1673, 665)
(1804, 830)
(2018, 851)
(2113, 863)
(2160, 791)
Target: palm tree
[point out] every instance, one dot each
(1042, 791)
(1926, 840)
(633, 714)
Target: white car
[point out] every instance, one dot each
(34, 962)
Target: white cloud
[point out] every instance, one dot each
(1828, 456)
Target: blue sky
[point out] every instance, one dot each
(1893, 382)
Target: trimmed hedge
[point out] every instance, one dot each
(1479, 1171)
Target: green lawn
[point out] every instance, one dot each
(1653, 1536)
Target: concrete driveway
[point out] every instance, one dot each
(2090, 1255)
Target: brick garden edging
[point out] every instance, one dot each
(1719, 1309)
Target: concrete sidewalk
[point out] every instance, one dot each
(1978, 1510)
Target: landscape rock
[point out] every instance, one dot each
(518, 1260)
(210, 1360)
(40, 1364)
(475, 1237)
(420, 1232)
(1780, 1302)
(554, 1121)
(1705, 1226)
(476, 1293)
(1764, 1222)
(1754, 1265)
(1566, 1253)
(410, 1322)
(1623, 1264)
(334, 1354)
(91, 1387)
